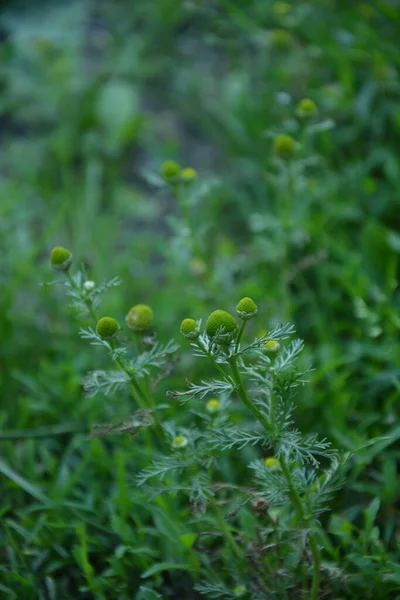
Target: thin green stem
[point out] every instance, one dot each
(181, 195)
(244, 396)
(293, 493)
(239, 336)
(214, 362)
(87, 302)
(225, 530)
(136, 392)
(296, 501)
(143, 400)
(316, 554)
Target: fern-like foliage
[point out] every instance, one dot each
(104, 382)
(156, 357)
(226, 437)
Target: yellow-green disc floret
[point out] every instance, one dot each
(107, 328)
(221, 326)
(190, 329)
(306, 108)
(272, 463)
(179, 442)
(246, 309)
(213, 406)
(188, 174)
(239, 591)
(60, 258)
(170, 170)
(271, 345)
(140, 317)
(284, 146)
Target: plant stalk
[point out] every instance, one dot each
(294, 495)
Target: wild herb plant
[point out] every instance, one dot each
(134, 358)
(289, 490)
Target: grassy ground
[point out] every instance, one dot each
(94, 98)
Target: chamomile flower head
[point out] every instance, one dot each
(188, 174)
(271, 463)
(139, 318)
(107, 328)
(170, 170)
(284, 146)
(239, 591)
(246, 309)
(213, 406)
(271, 346)
(221, 326)
(60, 258)
(306, 108)
(190, 329)
(179, 442)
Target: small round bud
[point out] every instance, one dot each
(246, 309)
(284, 146)
(281, 39)
(213, 406)
(281, 8)
(107, 328)
(60, 258)
(221, 326)
(170, 170)
(198, 267)
(306, 109)
(188, 175)
(88, 285)
(190, 329)
(271, 463)
(239, 591)
(179, 442)
(139, 318)
(271, 346)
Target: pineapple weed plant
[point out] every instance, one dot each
(278, 552)
(267, 538)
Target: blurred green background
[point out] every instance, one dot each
(94, 97)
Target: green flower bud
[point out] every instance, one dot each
(89, 285)
(246, 309)
(239, 591)
(198, 267)
(139, 318)
(170, 170)
(281, 8)
(284, 146)
(281, 39)
(221, 326)
(188, 175)
(213, 406)
(107, 328)
(306, 109)
(60, 258)
(271, 463)
(190, 329)
(271, 346)
(179, 442)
